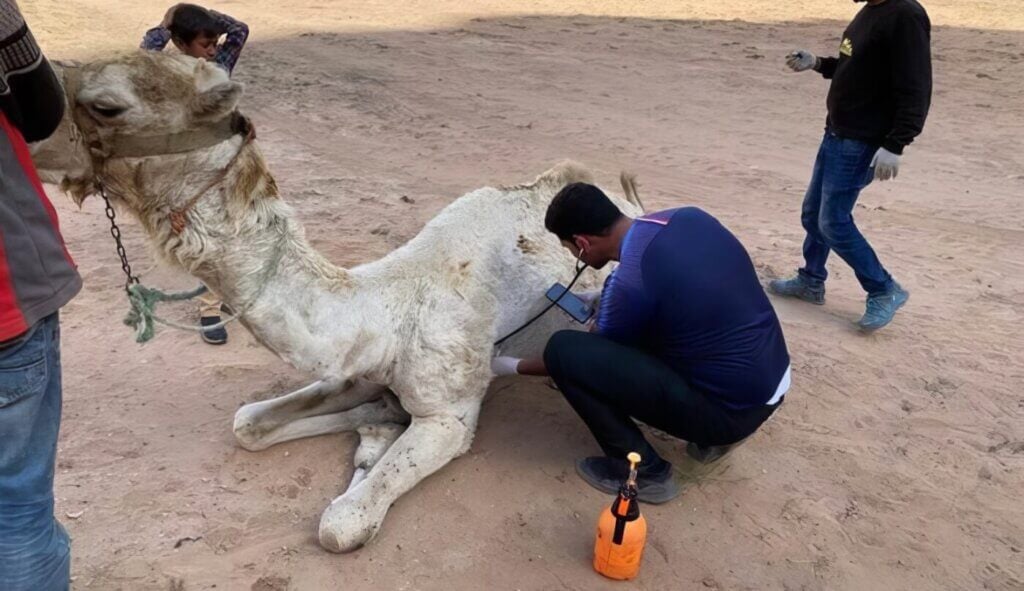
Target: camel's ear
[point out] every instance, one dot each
(216, 94)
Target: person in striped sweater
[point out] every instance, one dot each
(37, 278)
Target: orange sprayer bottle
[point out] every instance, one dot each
(621, 532)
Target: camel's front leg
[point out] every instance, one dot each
(429, 443)
(257, 425)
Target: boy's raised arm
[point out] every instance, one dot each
(236, 34)
(156, 38)
(159, 36)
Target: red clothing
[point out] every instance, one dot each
(37, 275)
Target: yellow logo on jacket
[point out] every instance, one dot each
(846, 47)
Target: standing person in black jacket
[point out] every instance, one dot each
(877, 104)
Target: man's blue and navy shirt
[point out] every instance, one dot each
(686, 292)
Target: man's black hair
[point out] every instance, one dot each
(190, 21)
(580, 208)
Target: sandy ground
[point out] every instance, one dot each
(896, 463)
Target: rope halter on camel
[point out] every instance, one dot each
(143, 300)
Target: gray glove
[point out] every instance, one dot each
(886, 164)
(801, 60)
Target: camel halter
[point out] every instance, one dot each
(143, 299)
(102, 149)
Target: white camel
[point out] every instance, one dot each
(401, 346)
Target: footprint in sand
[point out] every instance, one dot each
(993, 578)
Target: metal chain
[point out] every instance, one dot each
(115, 231)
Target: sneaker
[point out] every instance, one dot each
(213, 336)
(882, 308)
(800, 288)
(607, 475)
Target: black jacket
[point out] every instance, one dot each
(882, 80)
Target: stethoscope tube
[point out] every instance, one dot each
(580, 268)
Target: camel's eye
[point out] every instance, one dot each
(107, 111)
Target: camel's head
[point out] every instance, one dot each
(150, 93)
(140, 97)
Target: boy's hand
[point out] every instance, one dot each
(169, 16)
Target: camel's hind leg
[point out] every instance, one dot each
(374, 441)
(321, 407)
(382, 410)
(427, 444)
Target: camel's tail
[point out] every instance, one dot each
(628, 181)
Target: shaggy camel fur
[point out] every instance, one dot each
(400, 346)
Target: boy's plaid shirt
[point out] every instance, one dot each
(227, 54)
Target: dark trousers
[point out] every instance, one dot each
(609, 384)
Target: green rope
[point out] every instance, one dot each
(143, 301)
(142, 316)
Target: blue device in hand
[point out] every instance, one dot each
(569, 303)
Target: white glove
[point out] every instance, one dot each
(505, 366)
(886, 164)
(801, 60)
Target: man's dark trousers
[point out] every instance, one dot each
(609, 384)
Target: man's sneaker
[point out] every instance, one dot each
(213, 336)
(881, 308)
(798, 287)
(607, 475)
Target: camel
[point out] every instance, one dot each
(400, 347)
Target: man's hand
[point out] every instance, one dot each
(886, 164)
(505, 366)
(801, 60)
(589, 297)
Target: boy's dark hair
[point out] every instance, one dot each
(580, 208)
(190, 21)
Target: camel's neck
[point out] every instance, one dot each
(243, 242)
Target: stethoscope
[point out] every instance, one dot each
(580, 268)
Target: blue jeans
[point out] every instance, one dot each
(841, 171)
(35, 552)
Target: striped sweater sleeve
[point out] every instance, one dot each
(30, 95)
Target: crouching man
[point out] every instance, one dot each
(685, 339)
